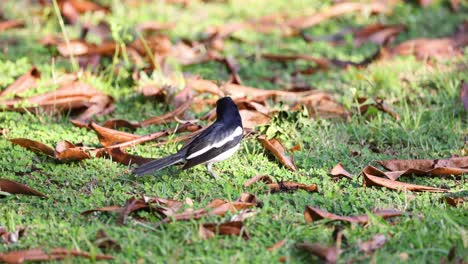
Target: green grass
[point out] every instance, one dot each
(431, 126)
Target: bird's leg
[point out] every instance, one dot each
(209, 167)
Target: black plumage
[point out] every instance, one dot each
(216, 143)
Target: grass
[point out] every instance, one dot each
(431, 126)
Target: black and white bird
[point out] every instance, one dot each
(216, 143)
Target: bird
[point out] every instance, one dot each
(216, 143)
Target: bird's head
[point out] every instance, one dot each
(226, 109)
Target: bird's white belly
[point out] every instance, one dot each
(224, 155)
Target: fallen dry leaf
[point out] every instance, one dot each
(64, 151)
(329, 254)
(340, 171)
(108, 137)
(454, 201)
(464, 94)
(71, 9)
(158, 120)
(233, 68)
(282, 186)
(287, 186)
(235, 228)
(370, 179)
(275, 147)
(379, 104)
(70, 96)
(439, 167)
(314, 214)
(25, 82)
(374, 243)
(376, 33)
(104, 242)
(37, 254)
(277, 245)
(9, 24)
(120, 156)
(13, 187)
(12, 237)
(258, 178)
(336, 10)
(251, 119)
(216, 207)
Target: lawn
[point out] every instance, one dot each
(424, 92)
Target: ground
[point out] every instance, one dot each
(431, 126)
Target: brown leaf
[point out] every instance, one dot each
(288, 186)
(277, 245)
(25, 82)
(251, 119)
(314, 214)
(374, 243)
(34, 146)
(122, 157)
(216, 207)
(379, 104)
(455, 201)
(263, 178)
(235, 228)
(66, 151)
(13, 187)
(248, 198)
(9, 24)
(340, 171)
(154, 26)
(321, 104)
(82, 48)
(12, 237)
(103, 241)
(233, 68)
(277, 149)
(370, 179)
(424, 48)
(440, 167)
(376, 33)
(70, 96)
(111, 208)
(334, 11)
(109, 137)
(329, 254)
(464, 94)
(37, 254)
(157, 120)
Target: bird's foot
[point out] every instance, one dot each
(209, 167)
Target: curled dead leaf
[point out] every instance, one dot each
(12, 187)
(373, 244)
(235, 228)
(37, 254)
(370, 179)
(279, 151)
(340, 171)
(329, 254)
(25, 82)
(314, 214)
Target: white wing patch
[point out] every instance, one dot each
(219, 144)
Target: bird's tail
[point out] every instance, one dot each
(159, 164)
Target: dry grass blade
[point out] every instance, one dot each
(277, 245)
(371, 180)
(312, 214)
(13, 187)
